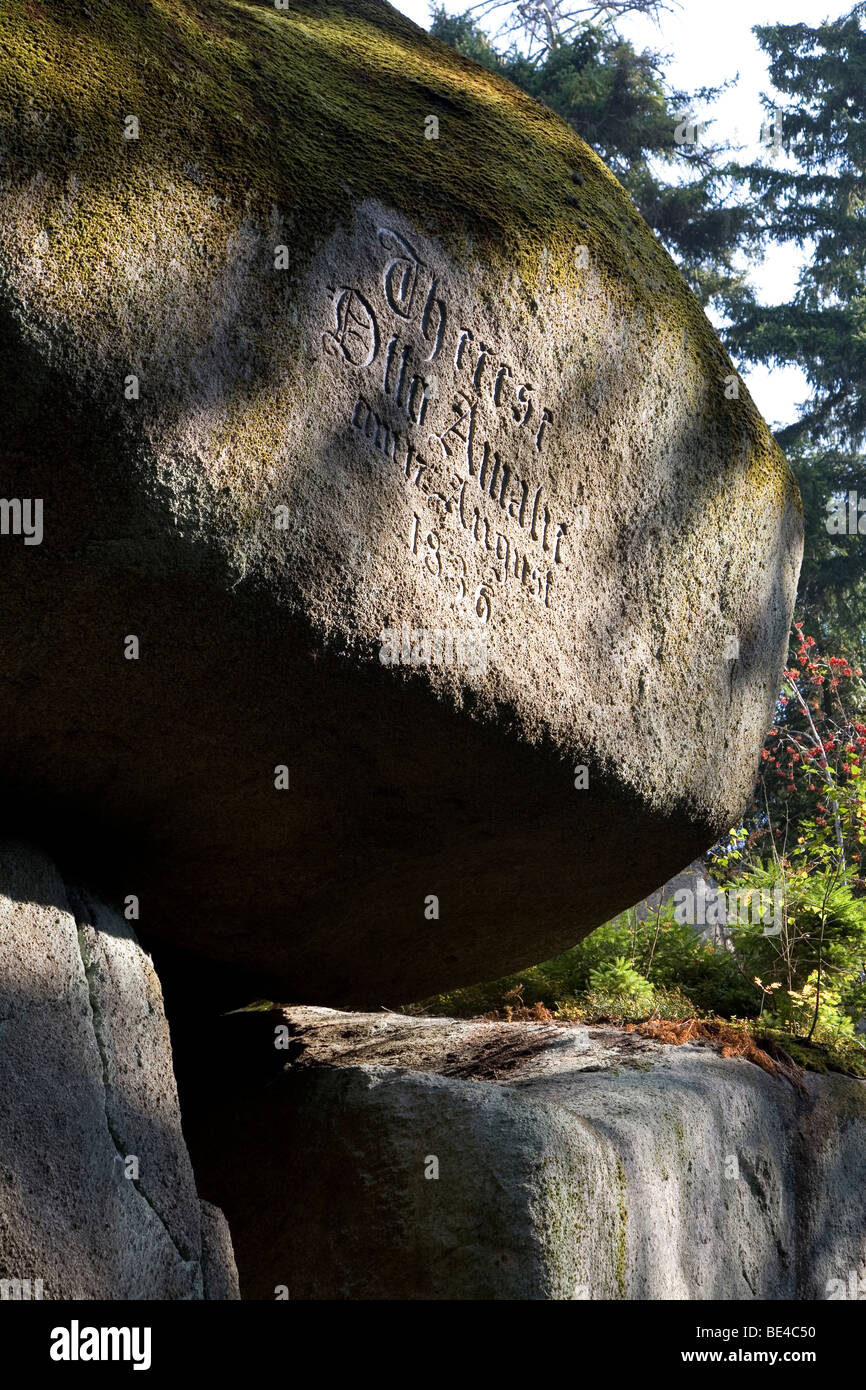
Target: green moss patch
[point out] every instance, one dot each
(246, 111)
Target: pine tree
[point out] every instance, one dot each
(616, 98)
(816, 198)
(708, 212)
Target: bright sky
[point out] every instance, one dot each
(709, 44)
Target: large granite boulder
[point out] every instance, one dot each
(425, 1158)
(407, 572)
(97, 1195)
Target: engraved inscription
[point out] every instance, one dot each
(356, 335)
(466, 454)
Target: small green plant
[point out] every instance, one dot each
(796, 975)
(608, 1006)
(618, 977)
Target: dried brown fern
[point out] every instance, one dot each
(518, 1012)
(731, 1041)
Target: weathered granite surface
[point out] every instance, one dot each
(569, 1162)
(97, 1195)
